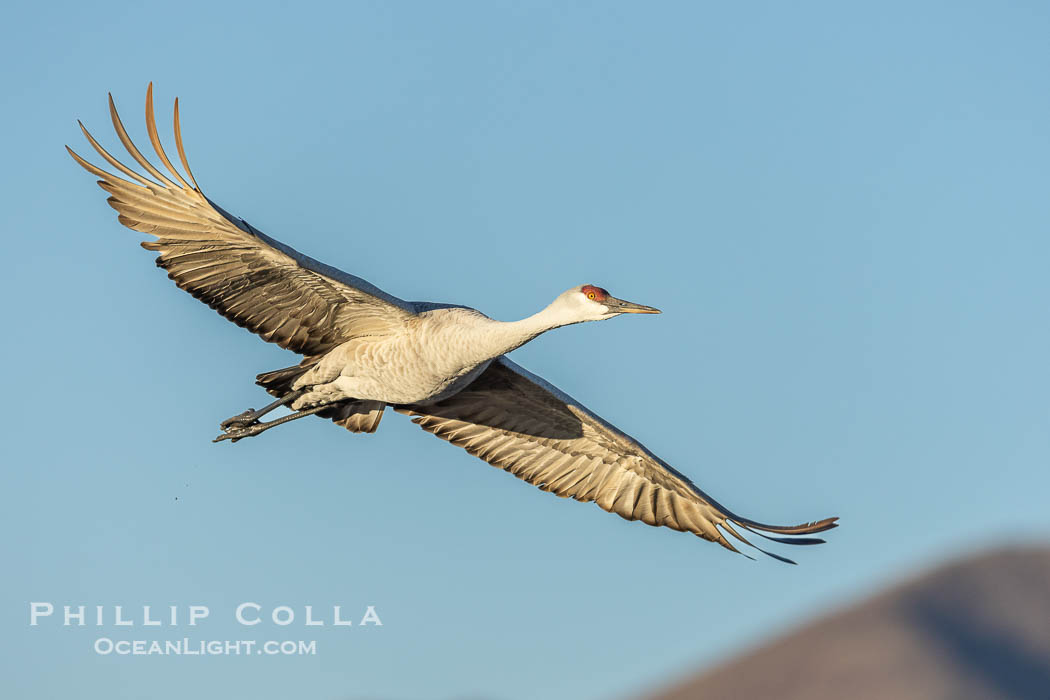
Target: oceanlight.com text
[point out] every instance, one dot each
(105, 646)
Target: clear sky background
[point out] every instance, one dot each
(842, 212)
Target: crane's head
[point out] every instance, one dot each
(589, 302)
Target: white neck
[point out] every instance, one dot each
(501, 337)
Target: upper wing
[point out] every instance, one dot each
(515, 420)
(258, 283)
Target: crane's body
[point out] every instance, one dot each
(428, 356)
(364, 350)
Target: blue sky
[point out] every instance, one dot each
(842, 212)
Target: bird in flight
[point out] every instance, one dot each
(446, 366)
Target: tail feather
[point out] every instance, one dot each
(357, 416)
(279, 381)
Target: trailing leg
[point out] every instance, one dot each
(237, 433)
(250, 416)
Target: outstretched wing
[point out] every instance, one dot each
(518, 422)
(255, 281)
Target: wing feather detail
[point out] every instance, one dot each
(518, 422)
(251, 279)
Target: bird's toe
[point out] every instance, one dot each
(238, 432)
(240, 420)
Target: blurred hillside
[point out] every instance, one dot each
(978, 629)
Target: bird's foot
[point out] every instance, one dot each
(241, 420)
(238, 432)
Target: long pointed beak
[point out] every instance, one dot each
(620, 306)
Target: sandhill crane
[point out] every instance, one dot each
(444, 365)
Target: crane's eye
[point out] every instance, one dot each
(594, 293)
